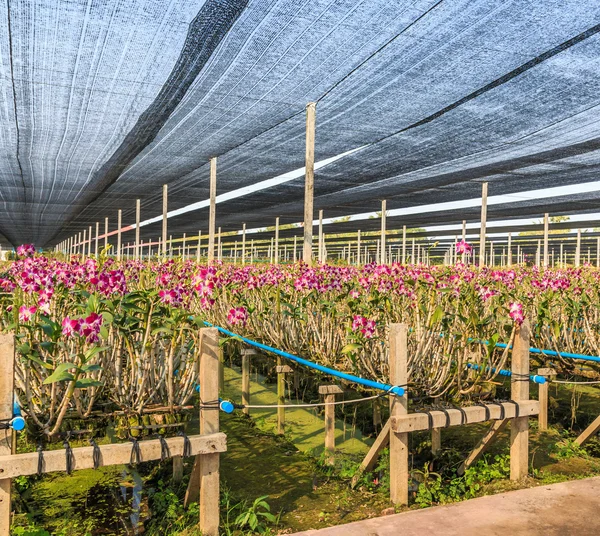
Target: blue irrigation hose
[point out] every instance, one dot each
(398, 391)
(503, 372)
(554, 353)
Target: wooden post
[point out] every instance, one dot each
(546, 225)
(383, 217)
(509, 252)
(183, 246)
(404, 244)
(105, 233)
(246, 353)
(7, 364)
(164, 219)
(436, 440)
(309, 181)
(412, 253)
(83, 243)
(204, 480)
(519, 431)
(295, 250)
(219, 251)
(199, 244)
(329, 391)
(578, 249)
(243, 243)
(138, 211)
(358, 248)
(543, 397)
(276, 253)
(484, 194)
(97, 235)
(398, 363)
(90, 241)
(321, 246)
(464, 238)
(119, 221)
(280, 397)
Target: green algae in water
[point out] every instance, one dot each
(85, 502)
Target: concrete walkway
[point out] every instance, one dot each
(555, 510)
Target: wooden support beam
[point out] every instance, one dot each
(15, 465)
(398, 363)
(309, 181)
(97, 239)
(578, 249)
(589, 432)
(413, 422)
(369, 461)
(519, 431)
(105, 233)
(484, 443)
(7, 365)
(321, 246)
(404, 244)
(243, 243)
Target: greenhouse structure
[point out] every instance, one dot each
(311, 267)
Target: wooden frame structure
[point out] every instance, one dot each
(395, 432)
(206, 447)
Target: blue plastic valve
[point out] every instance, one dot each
(226, 406)
(17, 424)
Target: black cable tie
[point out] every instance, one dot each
(502, 411)
(445, 412)
(488, 417)
(136, 456)
(164, 448)
(4, 425)
(429, 420)
(96, 453)
(516, 404)
(187, 445)
(463, 415)
(40, 467)
(69, 458)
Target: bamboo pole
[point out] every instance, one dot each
(309, 182)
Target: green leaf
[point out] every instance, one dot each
(37, 360)
(60, 374)
(91, 352)
(437, 315)
(349, 348)
(84, 383)
(90, 368)
(108, 317)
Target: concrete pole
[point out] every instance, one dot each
(358, 248)
(218, 244)
(309, 182)
(404, 244)
(199, 244)
(578, 249)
